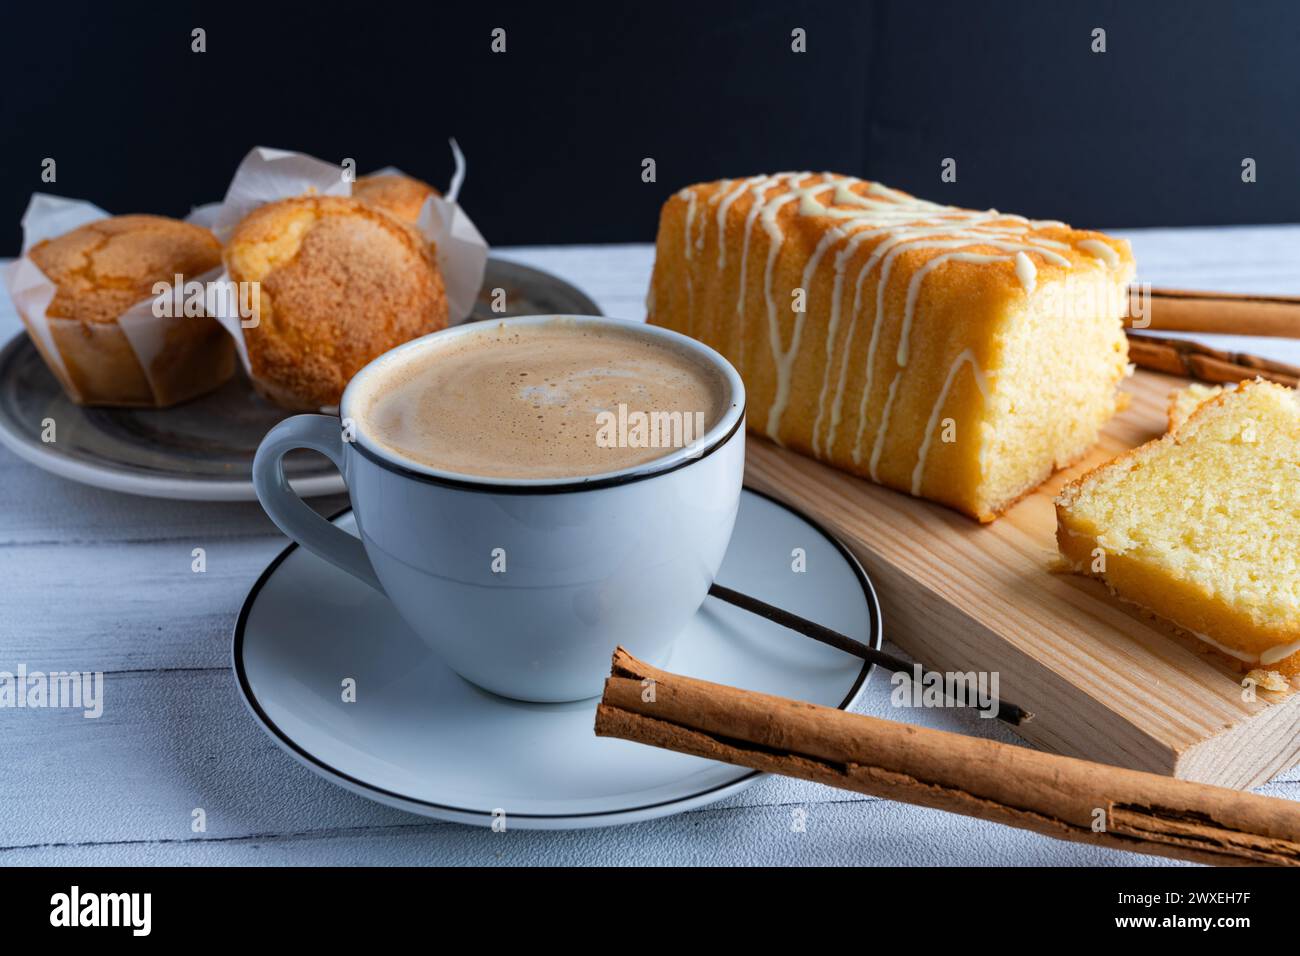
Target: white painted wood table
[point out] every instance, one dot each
(94, 580)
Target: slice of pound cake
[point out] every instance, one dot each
(954, 354)
(1202, 526)
(1187, 400)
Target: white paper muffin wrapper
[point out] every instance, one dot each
(264, 176)
(48, 217)
(267, 174)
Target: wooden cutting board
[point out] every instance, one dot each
(1103, 681)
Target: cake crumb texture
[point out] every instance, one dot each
(1200, 526)
(1184, 401)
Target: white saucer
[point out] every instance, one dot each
(423, 739)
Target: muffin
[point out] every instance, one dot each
(397, 195)
(337, 284)
(107, 267)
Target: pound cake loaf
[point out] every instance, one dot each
(954, 354)
(1199, 526)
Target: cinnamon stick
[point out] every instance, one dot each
(1194, 360)
(1057, 796)
(1229, 313)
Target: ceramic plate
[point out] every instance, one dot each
(201, 450)
(423, 739)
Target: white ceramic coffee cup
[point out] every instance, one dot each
(590, 562)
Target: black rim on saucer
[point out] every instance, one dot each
(246, 690)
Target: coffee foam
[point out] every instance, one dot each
(523, 401)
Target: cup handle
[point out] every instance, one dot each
(320, 433)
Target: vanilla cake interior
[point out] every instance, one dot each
(953, 354)
(1187, 400)
(1200, 526)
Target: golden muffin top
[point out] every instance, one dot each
(340, 283)
(400, 196)
(103, 268)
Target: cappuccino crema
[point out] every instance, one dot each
(559, 399)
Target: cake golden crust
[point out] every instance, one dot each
(102, 269)
(1181, 526)
(340, 283)
(400, 196)
(953, 354)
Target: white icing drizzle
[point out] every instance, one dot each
(902, 223)
(704, 223)
(785, 357)
(759, 193)
(724, 206)
(896, 245)
(1099, 250)
(829, 238)
(966, 356)
(842, 261)
(837, 297)
(889, 249)
(691, 201)
(689, 196)
(1026, 272)
(879, 445)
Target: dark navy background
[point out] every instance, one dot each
(1152, 132)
